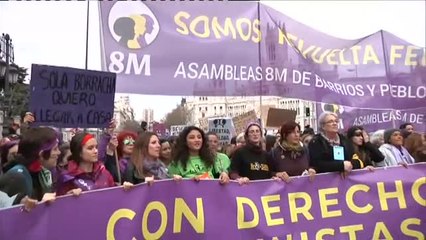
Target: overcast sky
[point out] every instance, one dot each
(54, 32)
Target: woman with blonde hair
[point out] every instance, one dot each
(145, 164)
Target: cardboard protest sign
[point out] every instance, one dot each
(69, 97)
(241, 121)
(277, 117)
(223, 127)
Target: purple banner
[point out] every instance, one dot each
(221, 48)
(160, 129)
(69, 97)
(375, 119)
(385, 204)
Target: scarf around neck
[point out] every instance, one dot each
(156, 168)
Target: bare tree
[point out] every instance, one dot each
(178, 116)
(130, 125)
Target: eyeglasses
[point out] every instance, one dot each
(129, 141)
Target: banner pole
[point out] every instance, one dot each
(260, 64)
(87, 34)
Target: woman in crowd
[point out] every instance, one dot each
(8, 153)
(366, 151)
(306, 139)
(377, 138)
(330, 151)
(290, 158)
(63, 158)
(123, 145)
(393, 150)
(84, 172)
(145, 164)
(37, 154)
(250, 162)
(416, 146)
(193, 159)
(222, 160)
(165, 152)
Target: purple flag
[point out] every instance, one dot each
(384, 204)
(222, 48)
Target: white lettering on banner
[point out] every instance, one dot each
(131, 65)
(401, 91)
(227, 72)
(194, 70)
(389, 116)
(340, 88)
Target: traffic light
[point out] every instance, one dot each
(307, 112)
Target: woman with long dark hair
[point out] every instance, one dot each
(193, 159)
(165, 152)
(84, 172)
(365, 151)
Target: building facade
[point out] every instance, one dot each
(148, 115)
(122, 110)
(210, 107)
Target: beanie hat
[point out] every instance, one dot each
(388, 133)
(252, 124)
(352, 130)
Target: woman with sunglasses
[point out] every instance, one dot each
(123, 145)
(365, 151)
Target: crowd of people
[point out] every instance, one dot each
(37, 166)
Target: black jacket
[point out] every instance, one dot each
(321, 155)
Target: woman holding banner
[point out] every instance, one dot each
(366, 151)
(193, 159)
(250, 162)
(330, 151)
(37, 155)
(290, 158)
(145, 164)
(394, 151)
(84, 172)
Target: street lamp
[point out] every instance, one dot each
(8, 74)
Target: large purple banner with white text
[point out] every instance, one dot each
(384, 204)
(375, 119)
(221, 48)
